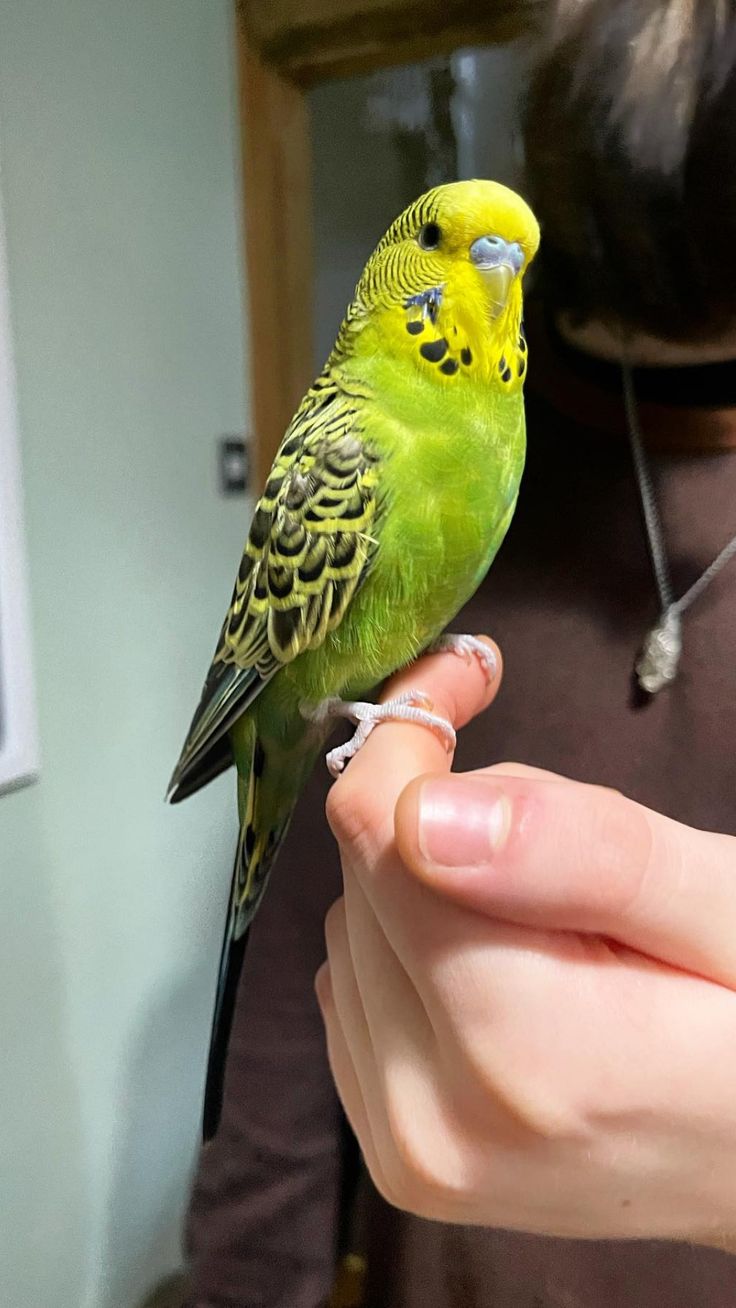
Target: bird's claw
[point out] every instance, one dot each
(467, 647)
(411, 706)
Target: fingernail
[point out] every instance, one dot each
(462, 823)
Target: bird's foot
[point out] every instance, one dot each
(411, 706)
(467, 647)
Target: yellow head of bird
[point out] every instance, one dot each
(444, 283)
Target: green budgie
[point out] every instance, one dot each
(388, 498)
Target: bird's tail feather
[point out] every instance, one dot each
(261, 835)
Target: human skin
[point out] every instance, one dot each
(529, 996)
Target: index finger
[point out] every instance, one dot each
(391, 918)
(360, 805)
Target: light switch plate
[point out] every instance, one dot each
(233, 465)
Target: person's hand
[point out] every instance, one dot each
(529, 994)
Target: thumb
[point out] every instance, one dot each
(554, 854)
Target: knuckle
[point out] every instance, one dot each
(361, 819)
(351, 811)
(416, 1173)
(412, 1191)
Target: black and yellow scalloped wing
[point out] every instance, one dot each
(309, 547)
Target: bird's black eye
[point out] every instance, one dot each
(429, 236)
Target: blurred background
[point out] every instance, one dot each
(129, 356)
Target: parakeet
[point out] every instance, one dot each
(388, 498)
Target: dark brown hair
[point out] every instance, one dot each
(630, 140)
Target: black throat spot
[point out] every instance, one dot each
(433, 351)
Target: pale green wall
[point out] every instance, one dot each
(117, 141)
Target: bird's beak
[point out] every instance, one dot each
(500, 262)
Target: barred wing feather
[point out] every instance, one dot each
(308, 549)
